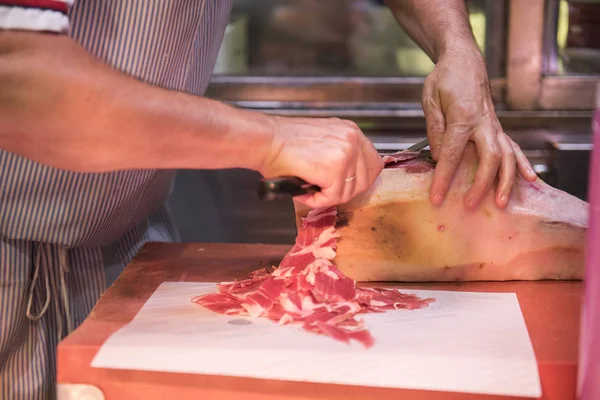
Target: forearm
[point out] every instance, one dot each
(437, 26)
(62, 107)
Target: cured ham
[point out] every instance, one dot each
(392, 232)
(308, 289)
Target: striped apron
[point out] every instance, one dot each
(65, 237)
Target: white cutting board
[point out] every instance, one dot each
(464, 342)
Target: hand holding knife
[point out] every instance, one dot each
(291, 186)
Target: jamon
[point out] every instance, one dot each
(393, 232)
(308, 289)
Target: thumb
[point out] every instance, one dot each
(434, 119)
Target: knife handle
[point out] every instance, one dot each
(283, 187)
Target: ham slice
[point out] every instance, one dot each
(309, 290)
(392, 232)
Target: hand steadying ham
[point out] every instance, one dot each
(458, 108)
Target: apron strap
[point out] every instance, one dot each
(36, 273)
(51, 288)
(63, 256)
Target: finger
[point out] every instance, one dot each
(368, 166)
(508, 170)
(316, 200)
(341, 167)
(373, 164)
(434, 119)
(348, 123)
(489, 162)
(307, 200)
(524, 166)
(331, 181)
(450, 155)
(351, 178)
(327, 198)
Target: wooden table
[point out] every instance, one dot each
(551, 311)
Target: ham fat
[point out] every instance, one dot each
(392, 232)
(307, 288)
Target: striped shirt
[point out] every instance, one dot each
(65, 236)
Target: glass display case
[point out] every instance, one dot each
(319, 38)
(575, 33)
(553, 54)
(315, 54)
(281, 54)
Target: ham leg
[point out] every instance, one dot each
(392, 232)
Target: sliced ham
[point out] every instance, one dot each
(392, 232)
(309, 290)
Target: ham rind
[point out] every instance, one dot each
(392, 232)
(307, 289)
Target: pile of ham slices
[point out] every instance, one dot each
(307, 288)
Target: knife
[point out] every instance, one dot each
(286, 186)
(419, 146)
(283, 187)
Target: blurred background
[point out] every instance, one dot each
(350, 59)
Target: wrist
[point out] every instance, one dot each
(260, 133)
(462, 48)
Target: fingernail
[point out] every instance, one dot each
(504, 199)
(531, 170)
(437, 198)
(472, 202)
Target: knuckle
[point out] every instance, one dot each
(350, 123)
(452, 155)
(352, 134)
(495, 156)
(341, 155)
(492, 152)
(436, 126)
(511, 155)
(468, 110)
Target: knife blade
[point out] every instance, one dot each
(284, 187)
(419, 146)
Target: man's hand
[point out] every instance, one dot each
(458, 107)
(331, 153)
(457, 101)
